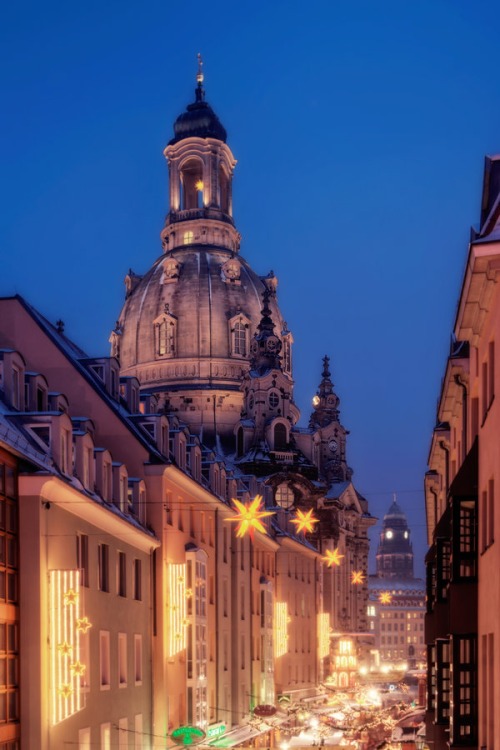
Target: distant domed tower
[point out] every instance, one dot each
(186, 326)
(395, 552)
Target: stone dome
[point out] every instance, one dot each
(201, 293)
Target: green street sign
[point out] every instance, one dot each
(215, 730)
(187, 735)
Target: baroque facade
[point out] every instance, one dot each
(461, 487)
(128, 470)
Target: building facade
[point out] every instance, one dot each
(461, 490)
(142, 458)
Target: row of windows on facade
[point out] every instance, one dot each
(102, 570)
(452, 688)
(389, 640)
(409, 626)
(123, 731)
(123, 658)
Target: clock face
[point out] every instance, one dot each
(272, 344)
(389, 534)
(333, 445)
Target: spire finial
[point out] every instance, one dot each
(199, 75)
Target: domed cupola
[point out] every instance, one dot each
(187, 324)
(201, 169)
(395, 552)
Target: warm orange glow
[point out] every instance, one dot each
(249, 516)
(316, 400)
(357, 577)
(64, 638)
(177, 620)
(332, 557)
(305, 521)
(323, 634)
(280, 628)
(189, 593)
(385, 598)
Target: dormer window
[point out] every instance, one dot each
(165, 327)
(239, 328)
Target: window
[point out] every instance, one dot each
(274, 399)
(165, 328)
(138, 659)
(463, 726)
(122, 573)
(443, 681)
(122, 659)
(103, 567)
(284, 496)
(138, 732)
(123, 734)
(239, 340)
(84, 739)
(138, 580)
(82, 558)
(280, 437)
(104, 660)
(105, 736)
(188, 238)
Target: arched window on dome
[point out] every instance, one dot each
(191, 184)
(165, 334)
(239, 331)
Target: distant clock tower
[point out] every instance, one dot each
(395, 552)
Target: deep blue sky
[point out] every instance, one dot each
(360, 130)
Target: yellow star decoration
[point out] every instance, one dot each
(189, 593)
(357, 577)
(199, 185)
(249, 516)
(70, 596)
(65, 648)
(332, 557)
(78, 668)
(65, 690)
(385, 598)
(304, 521)
(83, 624)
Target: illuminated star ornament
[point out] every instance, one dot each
(70, 596)
(385, 598)
(78, 668)
(83, 624)
(249, 517)
(65, 690)
(65, 648)
(357, 577)
(332, 557)
(304, 521)
(199, 185)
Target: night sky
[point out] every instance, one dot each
(360, 130)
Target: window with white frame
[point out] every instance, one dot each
(122, 659)
(104, 660)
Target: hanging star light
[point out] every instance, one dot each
(70, 596)
(357, 577)
(385, 598)
(78, 668)
(199, 185)
(332, 557)
(65, 648)
(189, 593)
(249, 516)
(83, 624)
(305, 521)
(65, 690)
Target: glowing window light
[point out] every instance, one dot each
(65, 665)
(177, 608)
(281, 620)
(323, 634)
(345, 647)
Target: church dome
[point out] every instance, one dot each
(200, 121)
(209, 300)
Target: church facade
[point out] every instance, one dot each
(186, 427)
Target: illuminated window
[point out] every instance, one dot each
(240, 340)
(105, 736)
(188, 238)
(84, 739)
(284, 496)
